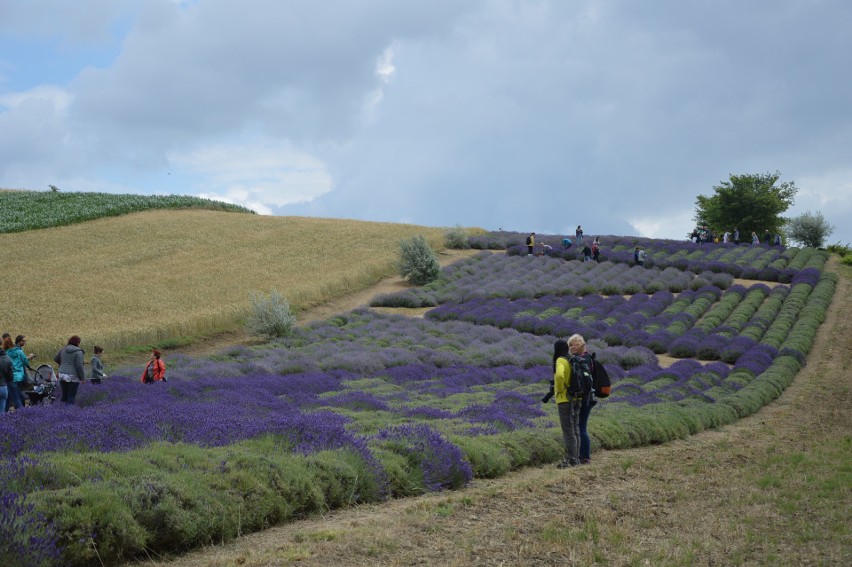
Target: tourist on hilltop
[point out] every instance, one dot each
(71, 373)
(578, 234)
(596, 250)
(640, 257)
(97, 366)
(20, 364)
(754, 239)
(587, 252)
(767, 237)
(6, 375)
(155, 370)
(736, 235)
(530, 243)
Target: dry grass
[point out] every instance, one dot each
(145, 277)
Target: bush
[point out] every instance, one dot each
(270, 316)
(418, 262)
(456, 237)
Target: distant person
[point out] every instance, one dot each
(530, 243)
(71, 374)
(6, 375)
(694, 235)
(587, 252)
(566, 243)
(155, 370)
(97, 366)
(754, 239)
(736, 236)
(726, 237)
(777, 240)
(641, 257)
(578, 234)
(767, 237)
(596, 250)
(567, 407)
(20, 364)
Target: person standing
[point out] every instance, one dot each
(640, 257)
(579, 234)
(754, 239)
(567, 406)
(6, 376)
(736, 235)
(155, 370)
(20, 364)
(71, 373)
(577, 346)
(587, 252)
(596, 250)
(97, 366)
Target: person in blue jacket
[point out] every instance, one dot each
(20, 362)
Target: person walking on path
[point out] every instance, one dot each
(71, 373)
(568, 407)
(596, 251)
(155, 370)
(20, 364)
(97, 366)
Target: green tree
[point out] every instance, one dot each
(751, 202)
(809, 229)
(418, 262)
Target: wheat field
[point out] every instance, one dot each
(151, 276)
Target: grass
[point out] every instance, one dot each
(31, 210)
(168, 277)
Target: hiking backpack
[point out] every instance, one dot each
(581, 383)
(601, 383)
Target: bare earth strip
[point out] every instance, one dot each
(772, 489)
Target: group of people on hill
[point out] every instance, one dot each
(702, 234)
(14, 364)
(590, 252)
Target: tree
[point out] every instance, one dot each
(418, 262)
(751, 202)
(809, 229)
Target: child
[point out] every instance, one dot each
(97, 366)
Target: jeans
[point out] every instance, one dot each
(4, 395)
(585, 442)
(69, 392)
(14, 396)
(569, 416)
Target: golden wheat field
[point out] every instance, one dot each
(146, 277)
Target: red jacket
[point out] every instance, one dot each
(159, 370)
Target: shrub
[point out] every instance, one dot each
(418, 262)
(270, 316)
(456, 237)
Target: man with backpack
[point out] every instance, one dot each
(530, 243)
(572, 384)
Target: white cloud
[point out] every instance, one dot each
(258, 173)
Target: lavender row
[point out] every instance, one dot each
(494, 275)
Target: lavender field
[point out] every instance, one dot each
(367, 406)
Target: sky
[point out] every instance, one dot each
(529, 115)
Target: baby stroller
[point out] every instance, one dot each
(41, 385)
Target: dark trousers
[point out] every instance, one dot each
(69, 392)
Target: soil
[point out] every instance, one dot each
(702, 500)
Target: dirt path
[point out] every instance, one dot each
(772, 489)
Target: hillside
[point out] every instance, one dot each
(167, 276)
(771, 489)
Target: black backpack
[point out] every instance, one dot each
(581, 383)
(529, 240)
(601, 383)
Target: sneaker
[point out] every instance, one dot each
(564, 465)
